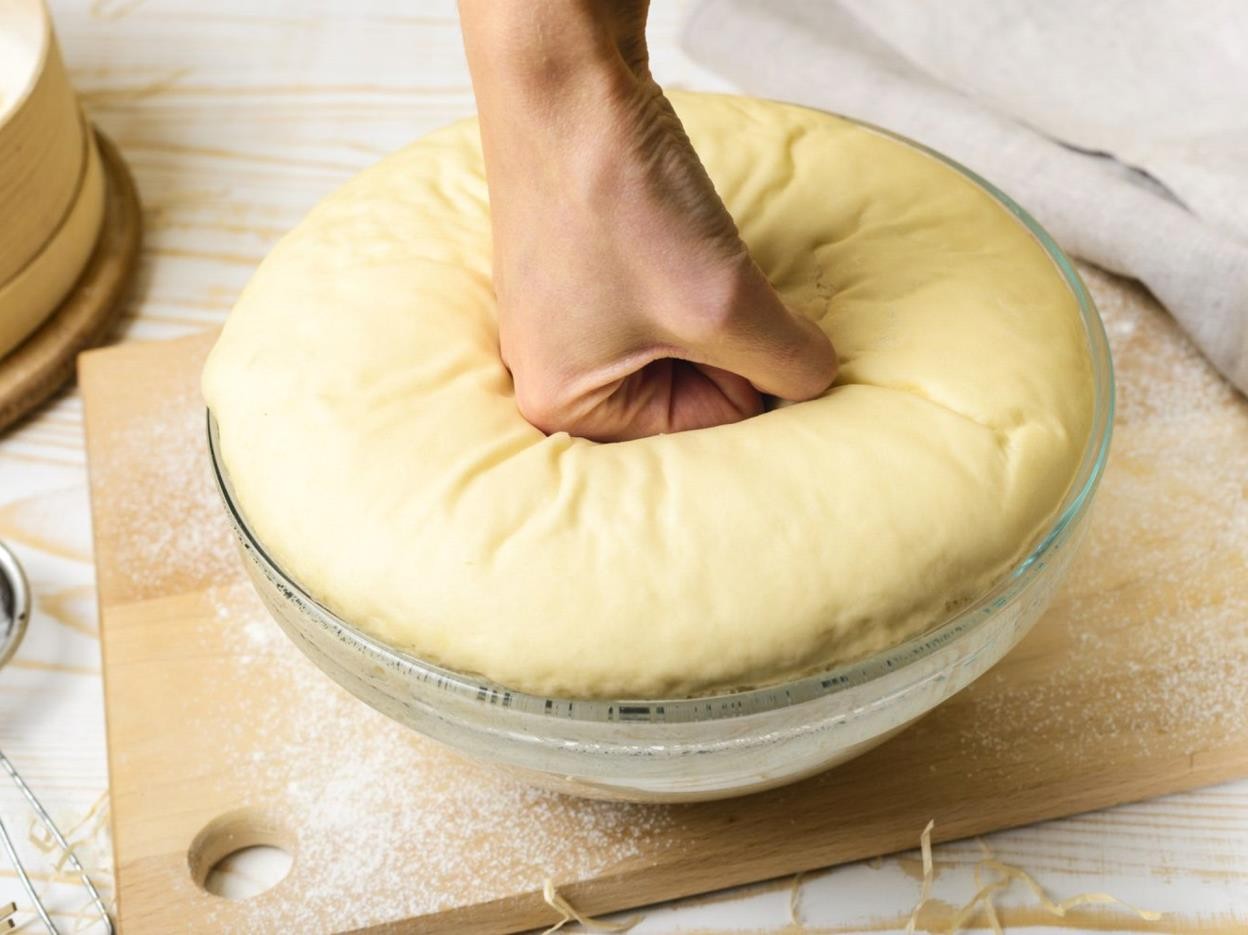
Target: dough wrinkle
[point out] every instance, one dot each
(918, 392)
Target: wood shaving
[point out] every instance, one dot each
(556, 902)
(91, 828)
(982, 898)
(795, 898)
(1059, 909)
(990, 908)
(925, 889)
(986, 893)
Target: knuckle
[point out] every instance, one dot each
(541, 407)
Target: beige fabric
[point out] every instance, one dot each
(373, 441)
(1028, 94)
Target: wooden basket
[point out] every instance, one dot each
(37, 288)
(69, 218)
(41, 135)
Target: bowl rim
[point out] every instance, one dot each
(830, 681)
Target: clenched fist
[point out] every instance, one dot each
(628, 303)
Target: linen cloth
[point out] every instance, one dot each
(1121, 126)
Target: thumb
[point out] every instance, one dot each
(757, 336)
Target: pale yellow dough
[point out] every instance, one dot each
(369, 427)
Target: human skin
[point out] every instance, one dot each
(628, 304)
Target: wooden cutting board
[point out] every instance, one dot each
(221, 735)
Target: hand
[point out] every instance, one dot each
(628, 304)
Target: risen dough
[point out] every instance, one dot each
(369, 428)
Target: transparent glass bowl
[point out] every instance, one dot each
(709, 747)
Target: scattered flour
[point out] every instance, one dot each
(389, 825)
(163, 509)
(1156, 607)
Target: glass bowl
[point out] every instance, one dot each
(688, 749)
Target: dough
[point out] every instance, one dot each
(369, 429)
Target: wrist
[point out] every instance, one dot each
(536, 48)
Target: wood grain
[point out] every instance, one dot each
(1067, 723)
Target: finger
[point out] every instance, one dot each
(666, 396)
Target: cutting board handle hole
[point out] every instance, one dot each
(241, 854)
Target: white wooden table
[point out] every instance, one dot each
(236, 117)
